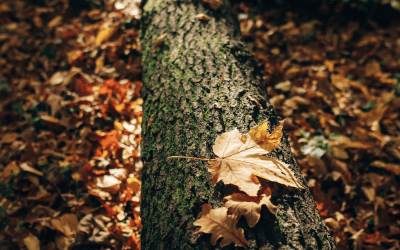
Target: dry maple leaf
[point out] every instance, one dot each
(242, 157)
(220, 224)
(249, 206)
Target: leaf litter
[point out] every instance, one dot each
(70, 124)
(344, 81)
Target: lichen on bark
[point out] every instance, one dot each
(197, 85)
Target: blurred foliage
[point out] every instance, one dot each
(364, 5)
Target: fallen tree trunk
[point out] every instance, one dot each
(200, 82)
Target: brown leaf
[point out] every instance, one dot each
(24, 166)
(150, 121)
(203, 17)
(5, 176)
(159, 42)
(56, 21)
(134, 184)
(66, 224)
(10, 137)
(248, 206)
(214, 4)
(344, 84)
(40, 194)
(394, 168)
(373, 68)
(63, 242)
(220, 224)
(32, 242)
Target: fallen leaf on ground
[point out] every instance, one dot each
(24, 166)
(214, 4)
(394, 168)
(32, 242)
(66, 224)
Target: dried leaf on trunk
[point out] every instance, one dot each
(248, 206)
(203, 17)
(159, 42)
(220, 224)
(240, 157)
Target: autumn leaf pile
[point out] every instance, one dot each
(70, 116)
(336, 82)
(70, 123)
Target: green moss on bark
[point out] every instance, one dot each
(185, 74)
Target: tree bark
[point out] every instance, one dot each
(198, 85)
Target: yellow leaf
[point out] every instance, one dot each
(267, 141)
(220, 224)
(104, 34)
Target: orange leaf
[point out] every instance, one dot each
(110, 139)
(104, 34)
(133, 184)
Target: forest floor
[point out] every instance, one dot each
(70, 120)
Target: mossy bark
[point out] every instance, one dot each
(197, 86)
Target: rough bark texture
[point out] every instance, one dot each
(200, 64)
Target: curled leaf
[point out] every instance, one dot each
(202, 17)
(248, 206)
(267, 141)
(220, 224)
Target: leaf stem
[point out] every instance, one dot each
(188, 157)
